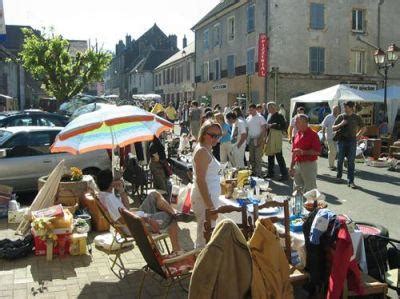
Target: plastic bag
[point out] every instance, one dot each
(184, 201)
(106, 240)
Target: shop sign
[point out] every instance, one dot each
(220, 86)
(262, 55)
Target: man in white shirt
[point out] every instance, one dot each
(238, 139)
(256, 124)
(327, 131)
(155, 210)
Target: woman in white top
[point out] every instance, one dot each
(206, 176)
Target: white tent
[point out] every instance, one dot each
(393, 104)
(336, 94)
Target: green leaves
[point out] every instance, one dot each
(64, 74)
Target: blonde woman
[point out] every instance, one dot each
(206, 176)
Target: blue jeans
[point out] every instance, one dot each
(347, 148)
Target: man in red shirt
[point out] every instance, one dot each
(306, 148)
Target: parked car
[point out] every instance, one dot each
(25, 156)
(32, 118)
(90, 108)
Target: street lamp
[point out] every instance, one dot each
(385, 61)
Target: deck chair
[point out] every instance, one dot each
(122, 242)
(297, 276)
(244, 225)
(172, 269)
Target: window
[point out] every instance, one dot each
(358, 62)
(188, 71)
(231, 28)
(21, 121)
(250, 67)
(206, 71)
(168, 76)
(358, 20)
(231, 65)
(206, 44)
(217, 70)
(251, 24)
(217, 35)
(317, 18)
(164, 76)
(41, 121)
(317, 60)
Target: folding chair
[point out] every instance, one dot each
(123, 242)
(297, 277)
(244, 225)
(172, 269)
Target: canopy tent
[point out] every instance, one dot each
(393, 104)
(335, 94)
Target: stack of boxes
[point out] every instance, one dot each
(62, 224)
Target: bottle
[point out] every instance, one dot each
(298, 201)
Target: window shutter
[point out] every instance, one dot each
(321, 60)
(313, 60)
(250, 18)
(317, 16)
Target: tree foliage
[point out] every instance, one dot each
(64, 74)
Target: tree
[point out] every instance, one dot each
(64, 74)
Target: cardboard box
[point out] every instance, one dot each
(63, 240)
(16, 216)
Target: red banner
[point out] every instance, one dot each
(262, 55)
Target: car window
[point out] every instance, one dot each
(4, 135)
(18, 139)
(42, 121)
(21, 121)
(39, 142)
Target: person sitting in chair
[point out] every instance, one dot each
(155, 210)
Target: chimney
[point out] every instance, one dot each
(173, 42)
(184, 42)
(128, 40)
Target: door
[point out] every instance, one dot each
(28, 158)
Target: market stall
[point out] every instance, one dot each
(393, 104)
(338, 94)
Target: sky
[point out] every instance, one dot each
(108, 21)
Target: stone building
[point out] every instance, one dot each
(134, 59)
(310, 45)
(174, 78)
(14, 80)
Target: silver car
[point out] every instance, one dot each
(25, 156)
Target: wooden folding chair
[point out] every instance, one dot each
(297, 277)
(244, 225)
(123, 242)
(172, 269)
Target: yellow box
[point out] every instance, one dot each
(78, 244)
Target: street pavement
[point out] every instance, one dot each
(89, 276)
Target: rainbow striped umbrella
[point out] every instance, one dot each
(108, 128)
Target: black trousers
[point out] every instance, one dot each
(281, 163)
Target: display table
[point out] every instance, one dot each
(297, 238)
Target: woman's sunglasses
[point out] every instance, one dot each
(215, 136)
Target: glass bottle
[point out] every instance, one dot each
(298, 201)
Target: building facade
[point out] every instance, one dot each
(310, 45)
(174, 78)
(14, 80)
(136, 57)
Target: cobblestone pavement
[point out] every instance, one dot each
(87, 276)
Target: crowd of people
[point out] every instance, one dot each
(223, 135)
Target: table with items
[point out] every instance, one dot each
(298, 243)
